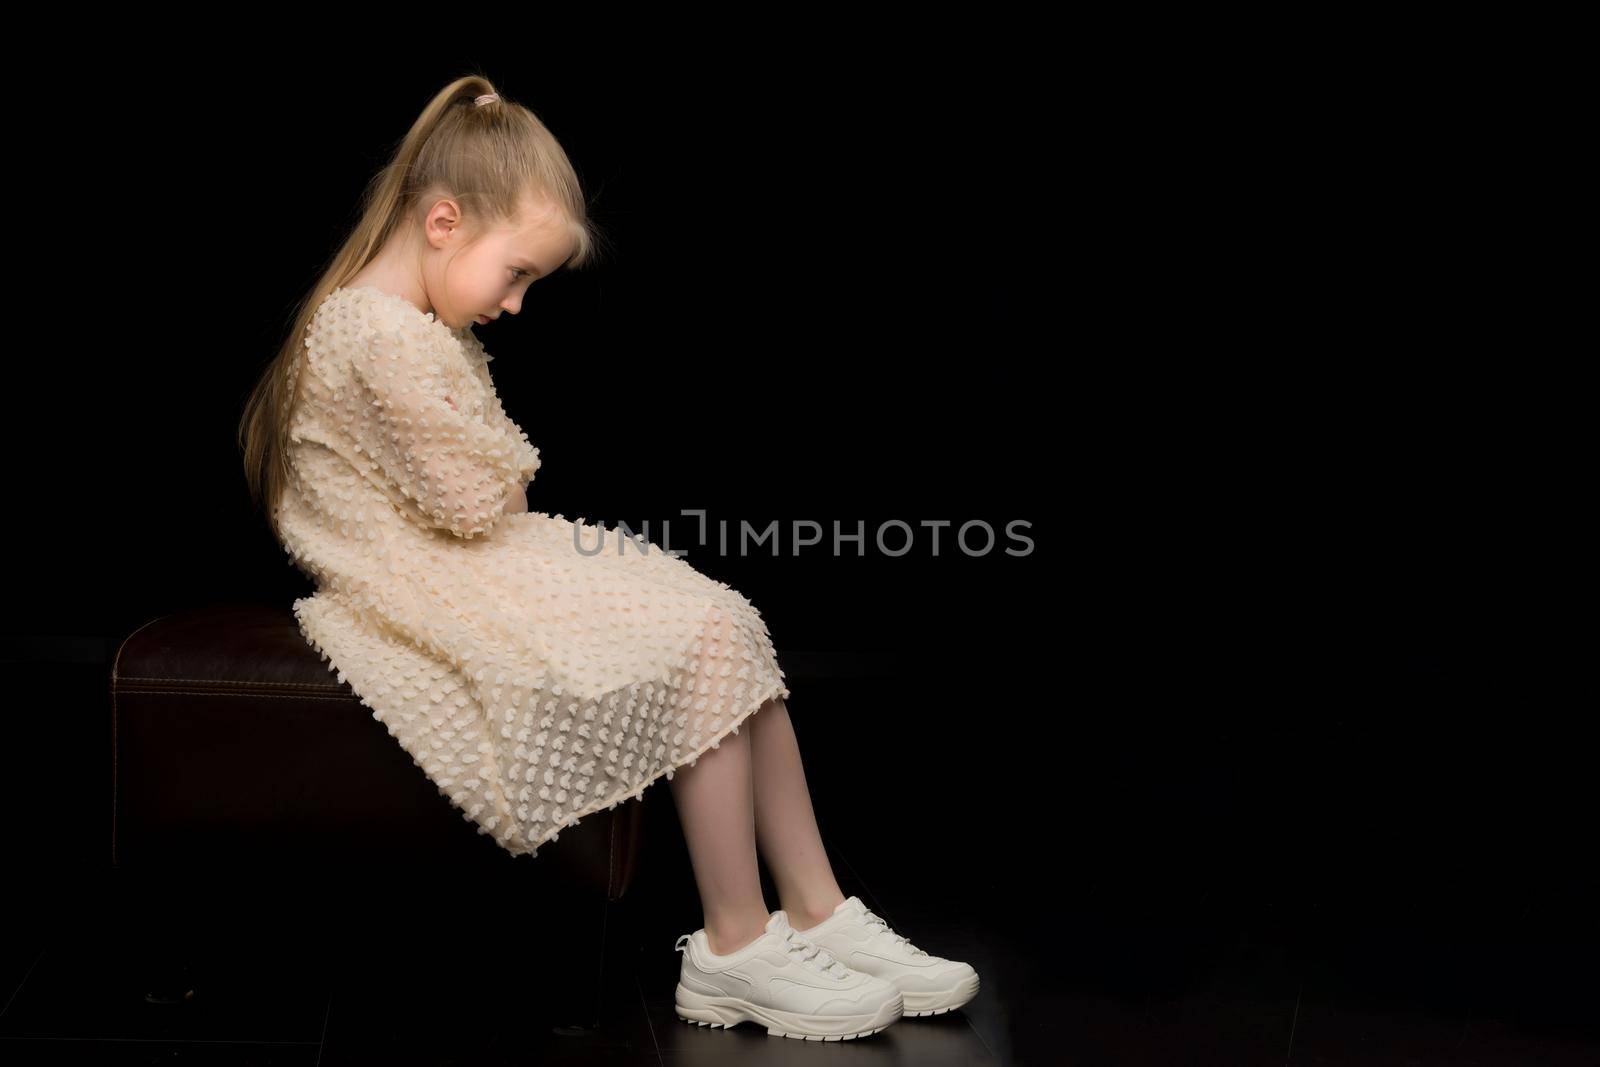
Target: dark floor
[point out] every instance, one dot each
(1084, 978)
(1186, 903)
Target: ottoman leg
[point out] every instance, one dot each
(161, 937)
(579, 1008)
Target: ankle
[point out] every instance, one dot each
(729, 936)
(812, 912)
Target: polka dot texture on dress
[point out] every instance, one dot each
(533, 683)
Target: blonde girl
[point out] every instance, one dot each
(531, 677)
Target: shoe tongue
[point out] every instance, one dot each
(778, 922)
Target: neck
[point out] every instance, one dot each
(396, 270)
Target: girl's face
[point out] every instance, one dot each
(487, 277)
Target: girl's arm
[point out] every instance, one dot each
(519, 500)
(453, 472)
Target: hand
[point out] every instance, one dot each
(518, 502)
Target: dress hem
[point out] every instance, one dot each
(310, 625)
(777, 689)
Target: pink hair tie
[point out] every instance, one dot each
(486, 98)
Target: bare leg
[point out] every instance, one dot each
(716, 805)
(786, 825)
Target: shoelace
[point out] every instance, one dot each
(793, 942)
(873, 921)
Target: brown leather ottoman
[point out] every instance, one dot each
(236, 749)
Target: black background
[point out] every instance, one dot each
(1295, 626)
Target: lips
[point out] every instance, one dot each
(483, 318)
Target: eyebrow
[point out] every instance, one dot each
(525, 261)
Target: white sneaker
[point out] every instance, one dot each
(785, 983)
(932, 985)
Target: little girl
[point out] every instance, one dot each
(532, 678)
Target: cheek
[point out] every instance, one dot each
(477, 292)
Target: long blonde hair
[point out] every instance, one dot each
(489, 156)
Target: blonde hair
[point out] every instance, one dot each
(487, 154)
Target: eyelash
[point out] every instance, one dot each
(518, 271)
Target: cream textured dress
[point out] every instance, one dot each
(533, 678)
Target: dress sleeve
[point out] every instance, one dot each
(453, 472)
(495, 414)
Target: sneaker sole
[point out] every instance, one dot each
(918, 1004)
(725, 1012)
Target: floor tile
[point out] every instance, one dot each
(93, 986)
(1387, 998)
(392, 1009)
(48, 1053)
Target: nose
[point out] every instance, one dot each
(513, 305)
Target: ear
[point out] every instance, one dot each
(443, 219)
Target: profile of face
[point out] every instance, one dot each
(476, 275)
